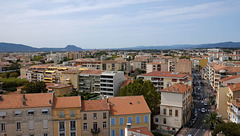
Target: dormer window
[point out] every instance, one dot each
(30, 112)
(44, 111)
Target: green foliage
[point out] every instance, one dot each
(87, 96)
(5, 75)
(74, 93)
(88, 56)
(14, 74)
(113, 57)
(35, 87)
(12, 82)
(12, 89)
(229, 129)
(14, 66)
(212, 120)
(51, 61)
(184, 57)
(145, 88)
(37, 58)
(98, 54)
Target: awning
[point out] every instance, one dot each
(50, 71)
(3, 113)
(30, 110)
(44, 110)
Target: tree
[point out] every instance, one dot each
(229, 129)
(212, 120)
(145, 88)
(14, 74)
(12, 82)
(37, 58)
(35, 87)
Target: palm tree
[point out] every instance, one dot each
(212, 120)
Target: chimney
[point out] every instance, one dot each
(24, 100)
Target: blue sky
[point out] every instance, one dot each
(118, 23)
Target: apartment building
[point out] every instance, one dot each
(141, 63)
(175, 107)
(60, 89)
(89, 81)
(110, 82)
(75, 55)
(113, 65)
(67, 116)
(183, 66)
(36, 72)
(71, 76)
(161, 79)
(95, 117)
(235, 111)
(137, 114)
(26, 114)
(92, 63)
(157, 66)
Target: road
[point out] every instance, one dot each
(201, 90)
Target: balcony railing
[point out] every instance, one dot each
(95, 130)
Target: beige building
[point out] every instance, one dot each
(113, 65)
(183, 66)
(71, 76)
(141, 63)
(26, 114)
(95, 117)
(60, 89)
(175, 107)
(157, 66)
(92, 63)
(162, 79)
(36, 72)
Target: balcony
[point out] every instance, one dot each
(95, 130)
(229, 103)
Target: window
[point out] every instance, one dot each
(62, 126)
(45, 123)
(95, 125)
(17, 113)
(63, 90)
(85, 116)
(164, 121)
(121, 132)
(44, 111)
(104, 124)
(61, 114)
(164, 111)
(176, 113)
(2, 127)
(113, 133)
(94, 115)
(72, 114)
(30, 112)
(84, 126)
(112, 121)
(31, 125)
(120, 121)
(73, 125)
(45, 134)
(174, 80)
(129, 119)
(145, 119)
(138, 119)
(18, 125)
(31, 135)
(73, 133)
(104, 115)
(62, 134)
(156, 119)
(170, 112)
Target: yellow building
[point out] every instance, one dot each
(49, 76)
(71, 76)
(137, 114)
(60, 89)
(67, 116)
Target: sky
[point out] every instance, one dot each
(95, 24)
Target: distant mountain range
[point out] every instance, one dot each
(12, 47)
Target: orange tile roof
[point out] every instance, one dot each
(95, 105)
(94, 72)
(141, 130)
(32, 100)
(60, 85)
(165, 74)
(49, 84)
(67, 102)
(236, 102)
(177, 88)
(235, 87)
(230, 78)
(128, 105)
(126, 82)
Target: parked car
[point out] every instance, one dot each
(203, 110)
(205, 103)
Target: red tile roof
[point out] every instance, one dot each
(141, 130)
(177, 88)
(236, 102)
(230, 78)
(235, 87)
(94, 72)
(67, 102)
(128, 105)
(165, 74)
(126, 82)
(32, 100)
(95, 105)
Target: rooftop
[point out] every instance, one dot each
(177, 88)
(95, 105)
(235, 87)
(141, 130)
(229, 78)
(92, 72)
(67, 102)
(165, 74)
(133, 104)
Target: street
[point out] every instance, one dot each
(200, 100)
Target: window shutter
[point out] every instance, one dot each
(45, 123)
(31, 124)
